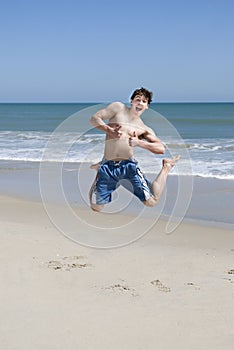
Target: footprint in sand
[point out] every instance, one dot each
(67, 263)
(230, 279)
(160, 286)
(193, 285)
(122, 288)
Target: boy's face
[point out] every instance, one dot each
(139, 103)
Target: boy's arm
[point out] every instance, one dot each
(148, 141)
(97, 120)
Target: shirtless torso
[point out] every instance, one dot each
(125, 130)
(119, 147)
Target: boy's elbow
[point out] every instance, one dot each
(161, 150)
(92, 120)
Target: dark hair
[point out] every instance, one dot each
(142, 91)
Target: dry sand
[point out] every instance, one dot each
(161, 292)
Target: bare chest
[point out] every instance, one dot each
(128, 126)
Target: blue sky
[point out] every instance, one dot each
(100, 51)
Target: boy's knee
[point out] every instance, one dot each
(151, 202)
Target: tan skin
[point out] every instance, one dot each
(126, 130)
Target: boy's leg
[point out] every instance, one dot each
(109, 190)
(94, 206)
(160, 182)
(97, 207)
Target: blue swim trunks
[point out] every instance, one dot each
(111, 174)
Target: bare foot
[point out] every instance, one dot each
(170, 162)
(95, 166)
(97, 207)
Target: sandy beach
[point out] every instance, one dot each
(161, 292)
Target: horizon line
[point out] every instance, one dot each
(108, 102)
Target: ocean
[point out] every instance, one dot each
(202, 132)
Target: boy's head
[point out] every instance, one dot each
(143, 92)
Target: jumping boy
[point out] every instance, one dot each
(124, 131)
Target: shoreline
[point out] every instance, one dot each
(26, 211)
(162, 218)
(211, 199)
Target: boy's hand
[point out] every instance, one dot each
(133, 140)
(113, 131)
